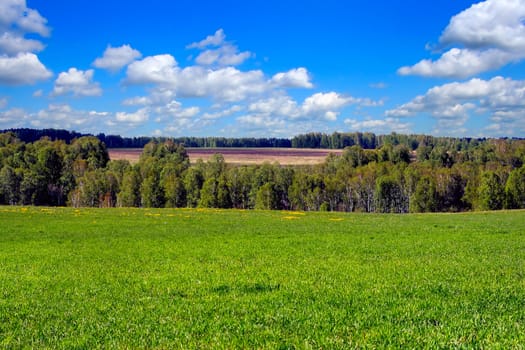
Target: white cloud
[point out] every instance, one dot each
(262, 121)
(379, 126)
(453, 104)
(12, 44)
(63, 116)
(15, 13)
(18, 64)
(252, 97)
(227, 55)
(282, 106)
(223, 113)
(3, 102)
(138, 117)
(216, 39)
(115, 58)
(491, 23)
(174, 109)
(461, 63)
(491, 34)
(221, 53)
(224, 84)
(159, 69)
(77, 82)
(294, 78)
(319, 106)
(137, 101)
(24, 68)
(325, 102)
(505, 123)
(158, 96)
(13, 118)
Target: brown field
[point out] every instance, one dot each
(284, 156)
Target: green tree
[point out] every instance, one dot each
(424, 199)
(491, 192)
(266, 198)
(151, 193)
(223, 193)
(388, 195)
(240, 185)
(208, 195)
(90, 190)
(90, 149)
(9, 185)
(33, 188)
(355, 156)
(515, 189)
(129, 195)
(193, 182)
(174, 192)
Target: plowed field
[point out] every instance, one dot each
(284, 156)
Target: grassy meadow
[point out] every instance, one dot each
(211, 279)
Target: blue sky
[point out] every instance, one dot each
(264, 68)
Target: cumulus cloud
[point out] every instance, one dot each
(115, 58)
(461, 63)
(325, 102)
(3, 102)
(217, 51)
(488, 35)
(216, 39)
(262, 121)
(138, 117)
(11, 44)
(60, 116)
(77, 82)
(15, 13)
(18, 63)
(279, 114)
(13, 118)
(225, 84)
(223, 113)
(159, 69)
(250, 96)
(175, 110)
(317, 107)
(497, 23)
(227, 55)
(294, 78)
(381, 126)
(453, 104)
(24, 68)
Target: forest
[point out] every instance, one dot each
(400, 174)
(336, 140)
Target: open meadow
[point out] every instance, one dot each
(222, 279)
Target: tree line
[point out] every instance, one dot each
(116, 141)
(389, 179)
(335, 140)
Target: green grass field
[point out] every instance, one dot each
(210, 279)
